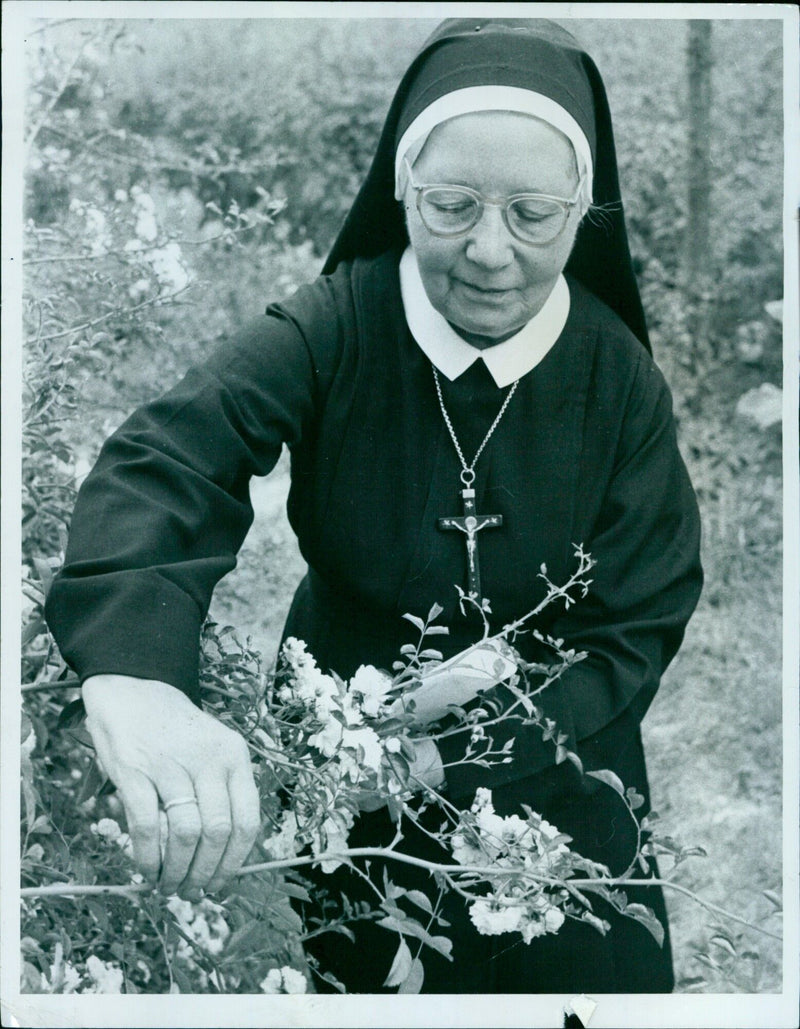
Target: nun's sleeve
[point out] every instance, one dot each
(645, 584)
(160, 518)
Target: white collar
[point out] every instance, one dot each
(452, 355)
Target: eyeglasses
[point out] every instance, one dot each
(452, 211)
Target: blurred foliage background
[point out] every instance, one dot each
(182, 174)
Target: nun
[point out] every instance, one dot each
(467, 391)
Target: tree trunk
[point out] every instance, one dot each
(698, 264)
(699, 67)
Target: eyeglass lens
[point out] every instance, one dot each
(450, 212)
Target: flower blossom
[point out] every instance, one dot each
(284, 843)
(509, 841)
(332, 836)
(311, 686)
(373, 686)
(145, 210)
(284, 980)
(106, 978)
(491, 918)
(107, 829)
(203, 922)
(168, 267)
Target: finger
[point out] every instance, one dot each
(217, 822)
(183, 828)
(140, 800)
(245, 809)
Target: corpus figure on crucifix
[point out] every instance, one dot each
(471, 524)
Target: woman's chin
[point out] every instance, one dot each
(483, 336)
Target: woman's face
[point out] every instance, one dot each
(488, 284)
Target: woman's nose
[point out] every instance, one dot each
(490, 244)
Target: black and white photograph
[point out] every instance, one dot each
(400, 515)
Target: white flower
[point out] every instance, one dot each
(203, 922)
(139, 289)
(491, 918)
(107, 828)
(106, 978)
(284, 980)
(97, 231)
(332, 836)
(63, 976)
(373, 686)
(328, 739)
(367, 740)
(284, 843)
(145, 210)
(541, 917)
(125, 844)
(168, 267)
(393, 745)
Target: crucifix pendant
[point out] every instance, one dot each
(471, 523)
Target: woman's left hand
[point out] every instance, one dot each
(425, 770)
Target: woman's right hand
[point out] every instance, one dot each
(156, 746)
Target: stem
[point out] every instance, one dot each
(117, 311)
(38, 687)
(59, 890)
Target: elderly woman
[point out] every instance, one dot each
(475, 349)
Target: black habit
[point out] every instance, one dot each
(586, 453)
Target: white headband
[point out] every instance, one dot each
(492, 98)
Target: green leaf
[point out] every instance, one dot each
(415, 621)
(32, 630)
(635, 800)
(25, 727)
(329, 977)
(692, 982)
(573, 757)
(416, 977)
(723, 943)
(646, 917)
(435, 611)
(296, 891)
(610, 779)
(71, 715)
(401, 966)
(421, 900)
(45, 573)
(410, 927)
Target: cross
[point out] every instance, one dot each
(471, 524)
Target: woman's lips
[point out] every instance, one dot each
(484, 292)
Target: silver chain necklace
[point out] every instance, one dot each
(471, 523)
(468, 470)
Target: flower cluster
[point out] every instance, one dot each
(101, 976)
(340, 752)
(203, 922)
(515, 904)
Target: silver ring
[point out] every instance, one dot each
(179, 800)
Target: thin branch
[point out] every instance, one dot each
(63, 890)
(56, 96)
(117, 311)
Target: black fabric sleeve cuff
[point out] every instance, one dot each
(129, 623)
